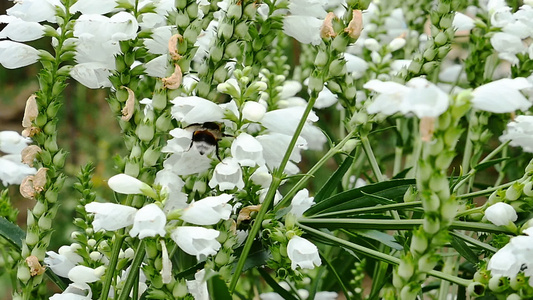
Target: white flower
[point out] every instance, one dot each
(396, 44)
(198, 286)
(462, 22)
(517, 255)
(83, 274)
(126, 184)
(12, 142)
(305, 20)
(166, 268)
(262, 177)
(501, 214)
(149, 221)
(158, 41)
(93, 75)
(325, 99)
(253, 111)
(35, 10)
(19, 30)
(62, 262)
(508, 45)
(247, 150)
(75, 291)
(99, 7)
(301, 202)
(274, 147)
(193, 109)
(520, 133)
(15, 55)
(171, 185)
(208, 211)
(227, 175)
(418, 96)
(302, 253)
(355, 65)
(12, 170)
(198, 241)
(187, 163)
(110, 216)
(502, 96)
(157, 67)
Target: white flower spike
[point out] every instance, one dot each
(303, 253)
(149, 221)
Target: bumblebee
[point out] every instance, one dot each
(205, 137)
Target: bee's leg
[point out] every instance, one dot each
(216, 151)
(190, 146)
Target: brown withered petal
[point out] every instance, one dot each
(30, 111)
(39, 180)
(26, 187)
(245, 213)
(30, 131)
(173, 81)
(29, 153)
(326, 30)
(35, 266)
(129, 108)
(427, 127)
(172, 46)
(356, 24)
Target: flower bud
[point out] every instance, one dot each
(225, 30)
(340, 42)
(337, 67)
(59, 159)
(372, 45)
(145, 131)
(513, 192)
(397, 44)
(23, 273)
(221, 73)
(234, 11)
(192, 10)
(431, 225)
(163, 123)
(39, 209)
(406, 268)
(250, 10)
(498, 284)
(316, 83)
(430, 201)
(151, 156)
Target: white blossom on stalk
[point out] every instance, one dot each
(274, 147)
(188, 162)
(13, 171)
(83, 274)
(149, 221)
(171, 185)
(36, 10)
(302, 253)
(355, 65)
(15, 55)
(62, 262)
(227, 175)
(194, 109)
(197, 241)
(520, 133)
(301, 202)
(262, 177)
(208, 211)
(12, 142)
(110, 216)
(418, 96)
(166, 268)
(75, 291)
(514, 257)
(253, 111)
(98, 7)
(502, 96)
(198, 286)
(247, 150)
(19, 30)
(501, 214)
(305, 21)
(126, 184)
(93, 75)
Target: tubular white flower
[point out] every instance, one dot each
(303, 253)
(93, 75)
(61, 263)
(198, 241)
(12, 142)
(157, 67)
(227, 175)
(501, 214)
(36, 10)
(171, 185)
(19, 30)
(15, 55)
(262, 177)
(126, 184)
(253, 111)
(193, 109)
(110, 216)
(208, 211)
(166, 268)
(83, 274)
(247, 150)
(520, 133)
(462, 22)
(149, 221)
(99, 7)
(513, 257)
(274, 147)
(198, 286)
(325, 99)
(75, 291)
(187, 163)
(12, 170)
(301, 202)
(355, 65)
(502, 96)
(390, 98)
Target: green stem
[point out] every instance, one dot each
(486, 191)
(134, 271)
(111, 268)
(398, 152)
(486, 159)
(371, 158)
(388, 224)
(473, 241)
(379, 255)
(300, 184)
(269, 198)
(372, 209)
(467, 154)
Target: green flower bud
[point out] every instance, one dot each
(430, 54)
(321, 59)
(41, 120)
(514, 296)
(444, 159)
(164, 122)
(45, 222)
(51, 145)
(199, 186)
(514, 191)
(192, 10)
(414, 67)
(180, 4)
(452, 135)
(39, 209)
(431, 225)
(190, 35)
(132, 168)
(222, 258)
(182, 19)
(406, 269)
(241, 30)
(30, 219)
(427, 262)
(32, 238)
(430, 66)
(250, 10)
(215, 54)
(408, 292)
(316, 84)
(340, 42)
(151, 156)
(59, 159)
(419, 242)
(257, 44)
(233, 50)
(145, 131)
(430, 201)
(234, 11)
(438, 182)
(350, 92)
(225, 30)
(475, 289)
(39, 252)
(23, 273)
(528, 189)
(337, 67)
(180, 290)
(220, 74)
(441, 39)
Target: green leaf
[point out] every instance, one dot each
(11, 232)
(218, 290)
(463, 249)
(329, 187)
(275, 286)
(381, 237)
(369, 195)
(490, 163)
